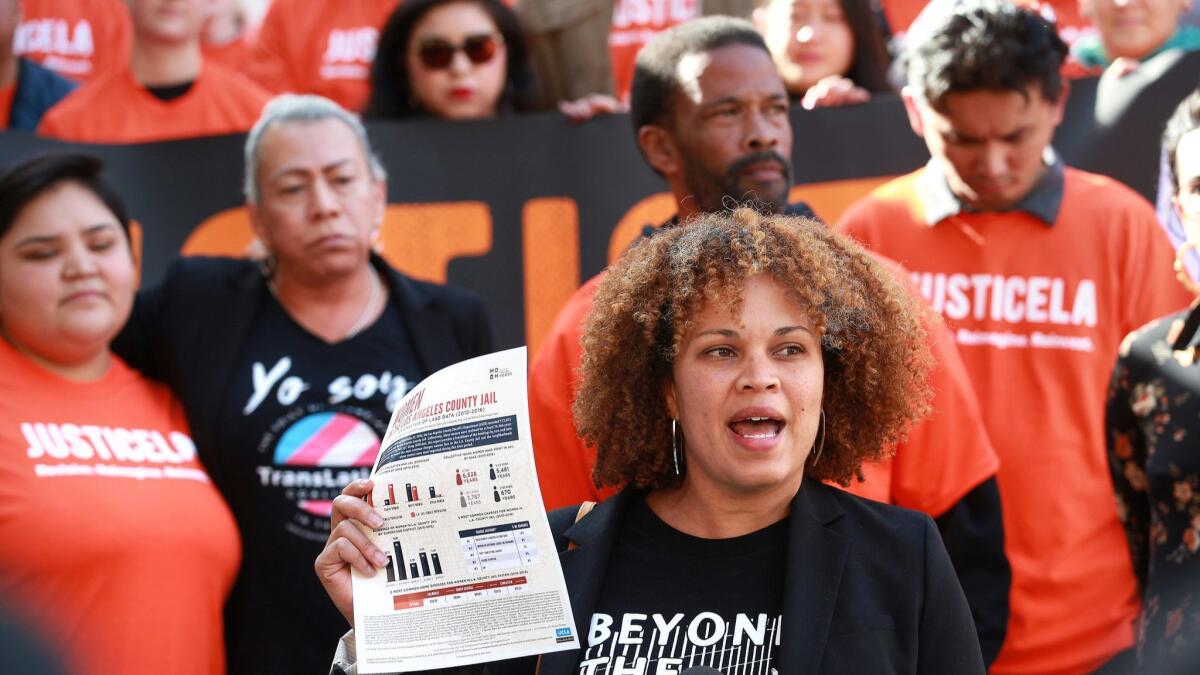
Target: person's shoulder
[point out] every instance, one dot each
(1148, 342)
(207, 273)
(885, 526)
(233, 85)
(1099, 192)
(898, 197)
(82, 103)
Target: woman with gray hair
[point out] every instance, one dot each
(288, 367)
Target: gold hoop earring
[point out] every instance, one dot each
(817, 455)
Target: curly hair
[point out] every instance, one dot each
(872, 339)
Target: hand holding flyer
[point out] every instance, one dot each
(472, 573)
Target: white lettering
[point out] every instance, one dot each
(742, 628)
(631, 632)
(957, 306)
(713, 620)
(1084, 312)
(638, 667)
(665, 629)
(262, 382)
(1057, 314)
(35, 449)
(600, 629)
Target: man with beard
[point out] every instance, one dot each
(711, 117)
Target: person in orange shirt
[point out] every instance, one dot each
(113, 540)
(1039, 270)
(323, 47)
(167, 91)
(78, 39)
(728, 139)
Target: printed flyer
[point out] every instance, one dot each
(473, 573)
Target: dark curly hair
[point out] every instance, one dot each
(983, 44)
(1184, 120)
(872, 339)
(391, 95)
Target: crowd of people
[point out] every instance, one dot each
(952, 432)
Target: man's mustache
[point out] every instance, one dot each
(758, 157)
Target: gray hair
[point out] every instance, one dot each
(306, 108)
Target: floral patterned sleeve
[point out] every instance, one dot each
(1127, 462)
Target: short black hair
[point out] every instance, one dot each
(391, 92)
(1184, 121)
(656, 73)
(26, 181)
(983, 44)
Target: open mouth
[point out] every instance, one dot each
(757, 427)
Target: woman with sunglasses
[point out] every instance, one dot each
(450, 59)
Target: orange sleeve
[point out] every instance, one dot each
(950, 453)
(564, 462)
(947, 455)
(267, 61)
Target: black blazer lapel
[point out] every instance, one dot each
(584, 569)
(429, 325)
(816, 557)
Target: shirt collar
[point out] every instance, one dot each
(1042, 202)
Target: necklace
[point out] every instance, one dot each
(363, 316)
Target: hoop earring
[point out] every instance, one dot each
(677, 450)
(267, 264)
(817, 455)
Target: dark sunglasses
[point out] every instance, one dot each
(436, 53)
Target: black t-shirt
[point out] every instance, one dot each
(302, 419)
(676, 603)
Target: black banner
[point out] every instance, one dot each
(522, 209)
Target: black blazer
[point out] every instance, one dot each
(869, 589)
(189, 331)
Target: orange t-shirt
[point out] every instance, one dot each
(1038, 312)
(943, 459)
(636, 22)
(117, 109)
(319, 47)
(78, 39)
(112, 538)
(231, 55)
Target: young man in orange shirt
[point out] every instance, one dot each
(166, 92)
(78, 39)
(711, 116)
(1039, 270)
(320, 47)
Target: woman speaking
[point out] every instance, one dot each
(730, 365)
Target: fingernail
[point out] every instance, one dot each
(374, 519)
(380, 558)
